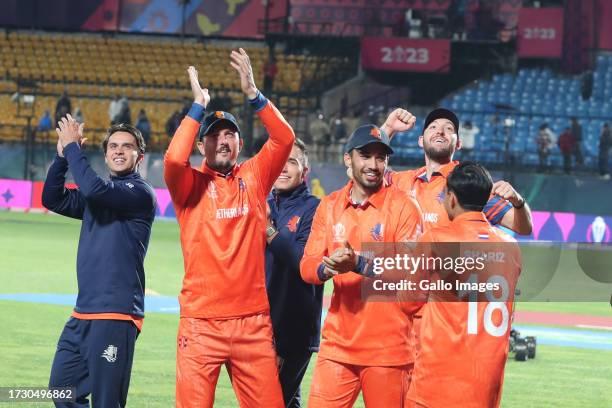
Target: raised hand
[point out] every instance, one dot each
(241, 63)
(69, 130)
(200, 95)
(507, 192)
(400, 120)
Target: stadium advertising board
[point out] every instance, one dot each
(231, 18)
(547, 226)
(403, 54)
(200, 17)
(540, 32)
(15, 193)
(350, 18)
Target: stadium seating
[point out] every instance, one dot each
(150, 72)
(532, 97)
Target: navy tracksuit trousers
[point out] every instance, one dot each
(291, 372)
(95, 357)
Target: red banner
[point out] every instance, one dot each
(404, 54)
(540, 32)
(605, 27)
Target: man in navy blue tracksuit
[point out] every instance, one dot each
(295, 306)
(95, 350)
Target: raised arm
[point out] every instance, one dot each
(399, 120)
(178, 174)
(55, 196)
(270, 160)
(120, 196)
(516, 216)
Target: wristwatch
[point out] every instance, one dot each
(270, 230)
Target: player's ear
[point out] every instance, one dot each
(305, 173)
(240, 144)
(421, 141)
(458, 145)
(200, 145)
(453, 200)
(348, 162)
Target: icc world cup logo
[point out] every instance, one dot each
(598, 231)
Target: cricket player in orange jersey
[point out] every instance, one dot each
(365, 345)
(465, 343)
(440, 140)
(221, 210)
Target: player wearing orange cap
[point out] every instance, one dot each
(365, 345)
(221, 210)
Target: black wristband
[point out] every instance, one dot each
(518, 207)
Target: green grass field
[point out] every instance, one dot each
(39, 256)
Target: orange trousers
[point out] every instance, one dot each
(243, 344)
(337, 385)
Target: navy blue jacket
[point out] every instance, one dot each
(117, 217)
(295, 306)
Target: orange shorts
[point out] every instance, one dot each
(337, 385)
(243, 344)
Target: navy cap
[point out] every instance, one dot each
(441, 113)
(216, 117)
(365, 135)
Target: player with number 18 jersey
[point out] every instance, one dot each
(464, 343)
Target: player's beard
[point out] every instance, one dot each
(440, 154)
(222, 166)
(366, 185)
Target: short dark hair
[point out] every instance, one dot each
(472, 185)
(124, 127)
(299, 143)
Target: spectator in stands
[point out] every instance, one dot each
(113, 109)
(372, 114)
(270, 72)
(605, 141)
(78, 115)
(319, 132)
(125, 114)
(468, 134)
(144, 126)
(577, 136)
(566, 145)
(173, 123)
(45, 124)
(338, 130)
(63, 106)
(352, 121)
(544, 140)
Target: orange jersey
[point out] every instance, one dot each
(430, 194)
(359, 332)
(222, 220)
(464, 345)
